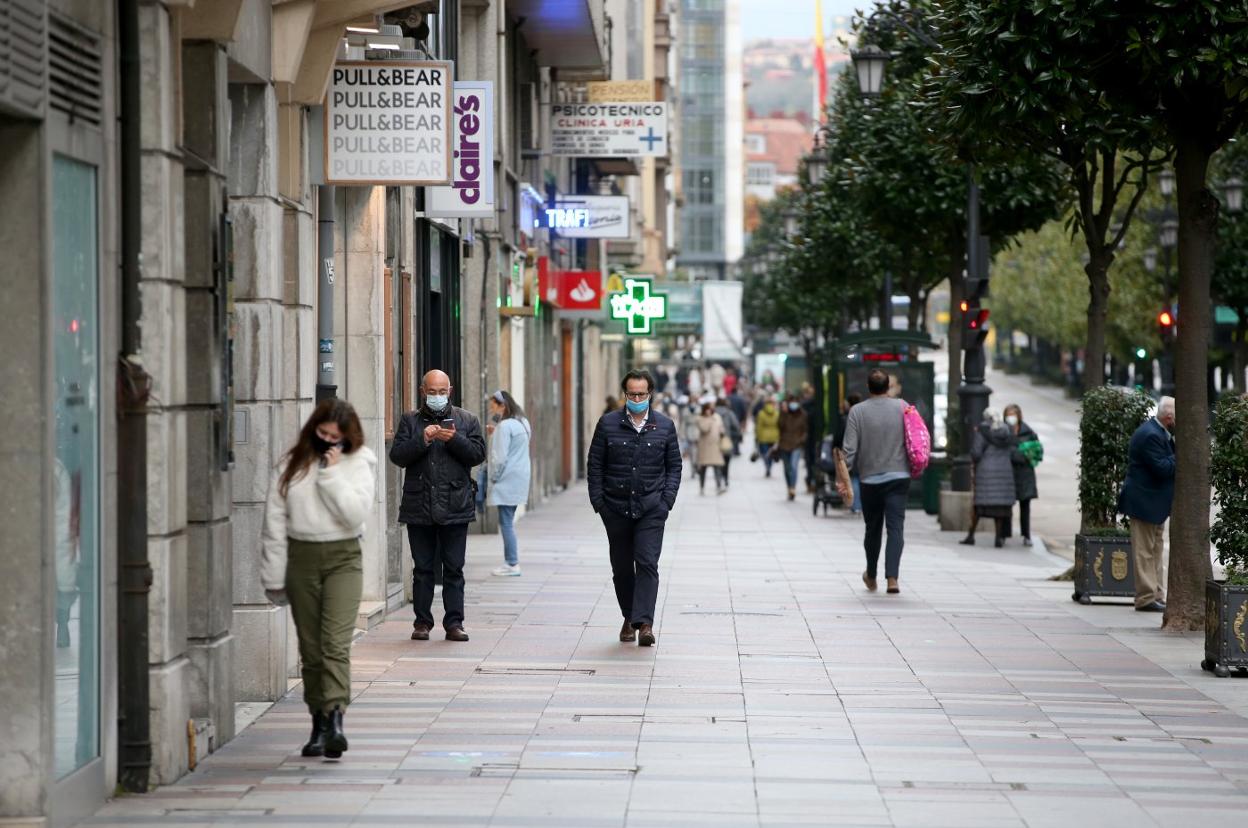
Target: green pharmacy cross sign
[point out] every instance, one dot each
(638, 307)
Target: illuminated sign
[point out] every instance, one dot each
(590, 217)
(638, 307)
(471, 192)
(615, 129)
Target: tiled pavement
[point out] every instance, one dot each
(780, 693)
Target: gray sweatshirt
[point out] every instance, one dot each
(875, 438)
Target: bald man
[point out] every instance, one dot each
(437, 445)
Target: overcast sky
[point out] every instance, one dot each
(761, 18)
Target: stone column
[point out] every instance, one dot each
(267, 413)
(209, 576)
(359, 341)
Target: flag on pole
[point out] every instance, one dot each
(821, 68)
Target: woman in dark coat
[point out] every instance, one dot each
(1026, 457)
(992, 450)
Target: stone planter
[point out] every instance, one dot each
(1226, 628)
(1104, 567)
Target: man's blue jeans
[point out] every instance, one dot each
(791, 459)
(507, 528)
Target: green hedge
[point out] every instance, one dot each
(1108, 418)
(1228, 470)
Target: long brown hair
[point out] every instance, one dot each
(303, 453)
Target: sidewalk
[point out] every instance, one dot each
(780, 693)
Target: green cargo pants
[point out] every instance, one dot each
(323, 584)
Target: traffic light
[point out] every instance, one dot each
(1166, 325)
(974, 316)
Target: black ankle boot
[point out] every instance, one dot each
(335, 740)
(316, 742)
(969, 540)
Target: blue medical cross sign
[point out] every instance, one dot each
(637, 307)
(650, 139)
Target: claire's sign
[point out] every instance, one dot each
(472, 167)
(388, 122)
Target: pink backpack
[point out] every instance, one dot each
(918, 441)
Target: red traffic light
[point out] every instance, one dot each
(978, 321)
(1165, 319)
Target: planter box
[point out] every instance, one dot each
(1226, 628)
(1104, 567)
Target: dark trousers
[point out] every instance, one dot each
(434, 545)
(635, 547)
(884, 504)
(1024, 517)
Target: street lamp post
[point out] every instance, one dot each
(870, 62)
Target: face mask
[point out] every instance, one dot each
(794, 406)
(437, 402)
(1011, 420)
(635, 407)
(320, 445)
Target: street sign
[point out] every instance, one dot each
(638, 306)
(590, 217)
(388, 122)
(609, 130)
(471, 193)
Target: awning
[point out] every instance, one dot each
(567, 34)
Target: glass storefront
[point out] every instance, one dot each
(75, 314)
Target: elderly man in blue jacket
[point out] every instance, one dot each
(634, 471)
(1146, 498)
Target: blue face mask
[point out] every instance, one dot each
(637, 407)
(436, 402)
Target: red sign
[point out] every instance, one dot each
(578, 290)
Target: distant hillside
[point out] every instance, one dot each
(780, 75)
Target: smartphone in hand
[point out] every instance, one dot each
(449, 424)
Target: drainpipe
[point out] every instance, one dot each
(133, 389)
(325, 371)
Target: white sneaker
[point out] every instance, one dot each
(507, 570)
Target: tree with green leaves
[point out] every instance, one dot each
(1131, 77)
(1001, 84)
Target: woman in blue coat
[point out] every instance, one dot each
(509, 473)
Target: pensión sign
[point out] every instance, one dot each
(388, 122)
(471, 193)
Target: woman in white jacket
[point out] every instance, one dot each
(510, 470)
(310, 557)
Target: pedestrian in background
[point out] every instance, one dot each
(1027, 455)
(310, 558)
(612, 405)
(992, 451)
(1146, 498)
(875, 449)
(794, 427)
(851, 399)
(711, 454)
(437, 446)
(814, 432)
(766, 432)
(633, 471)
(510, 470)
(740, 407)
(689, 429)
(732, 430)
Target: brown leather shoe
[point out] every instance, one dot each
(420, 632)
(871, 583)
(456, 634)
(627, 633)
(645, 636)
(893, 589)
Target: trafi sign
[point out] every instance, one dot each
(590, 217)
(471, 193)
(638, 307)
(388, 123)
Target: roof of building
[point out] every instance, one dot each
(787, 141)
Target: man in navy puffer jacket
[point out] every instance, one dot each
(634, 471)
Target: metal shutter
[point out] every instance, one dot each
(23, 77)
(74, 71)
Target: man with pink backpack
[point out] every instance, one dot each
(886, 444)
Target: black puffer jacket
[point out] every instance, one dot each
(633, 473)
(437, 483)
(1024, 472)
